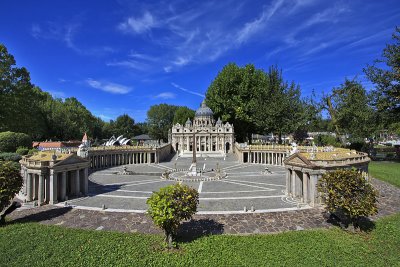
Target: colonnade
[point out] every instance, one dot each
(98, 161)
(265, 157)
(54, 186)
(205, 143)
(302, 185)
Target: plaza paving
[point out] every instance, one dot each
(221, 202)
(202, 224)
(245, 185)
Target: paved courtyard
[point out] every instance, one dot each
(245, 185)
(221, 208)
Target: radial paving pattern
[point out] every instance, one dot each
(245, 186)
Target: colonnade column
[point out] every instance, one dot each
(53, 187)
(77, 181)
(63, 185)
(288, 185)
(86, 181)
(41, 190)
(29, 187)
(305, 187)
(313, 189)
(294, 191)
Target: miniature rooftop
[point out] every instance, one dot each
(47, 156)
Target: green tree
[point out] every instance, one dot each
(10, 141)
(142, 128)
(10, 183)
(280, 108)
(347, 192)
(171, 205)
(182, 114)
(124, 125)
(19, 111)
(233, 95)
(350, 110)
(159, 119)
(385, 74)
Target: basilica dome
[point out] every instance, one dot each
(204, 111)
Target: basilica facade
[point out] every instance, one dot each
(211, 136)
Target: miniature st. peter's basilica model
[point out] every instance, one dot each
(211, 137)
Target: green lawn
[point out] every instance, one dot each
(386, 171)
(32, 244)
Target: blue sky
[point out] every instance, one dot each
(124, 56)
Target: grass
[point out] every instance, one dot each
(386, 171)
(33, 244)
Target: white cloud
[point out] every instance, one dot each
(186, 90)
(138, 25)
(36, 31)
(113, 88)
(165, 95)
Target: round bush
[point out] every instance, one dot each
(348, 192)
(10, 183)
(169, 206)
(10, 141)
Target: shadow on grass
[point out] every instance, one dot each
(363, 224)
(44, 215)
(194, 229)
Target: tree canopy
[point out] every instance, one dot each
(182, 114)
(160, 118)
(385, 74)
(256, 101)
(350, 110)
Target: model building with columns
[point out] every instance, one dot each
(51, 177)
(211, 137)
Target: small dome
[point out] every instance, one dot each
(204, 111)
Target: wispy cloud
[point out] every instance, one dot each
(132, 64)
(113, 88)
(186, 90)
(138, 25)
(253, 27)
(165, 95)
(201, 33)
(66, 33)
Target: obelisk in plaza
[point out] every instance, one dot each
(193, 169)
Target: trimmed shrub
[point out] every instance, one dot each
(10, 141)
(347, 192)
(169, 206)
(10, 183)
(22, 151)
